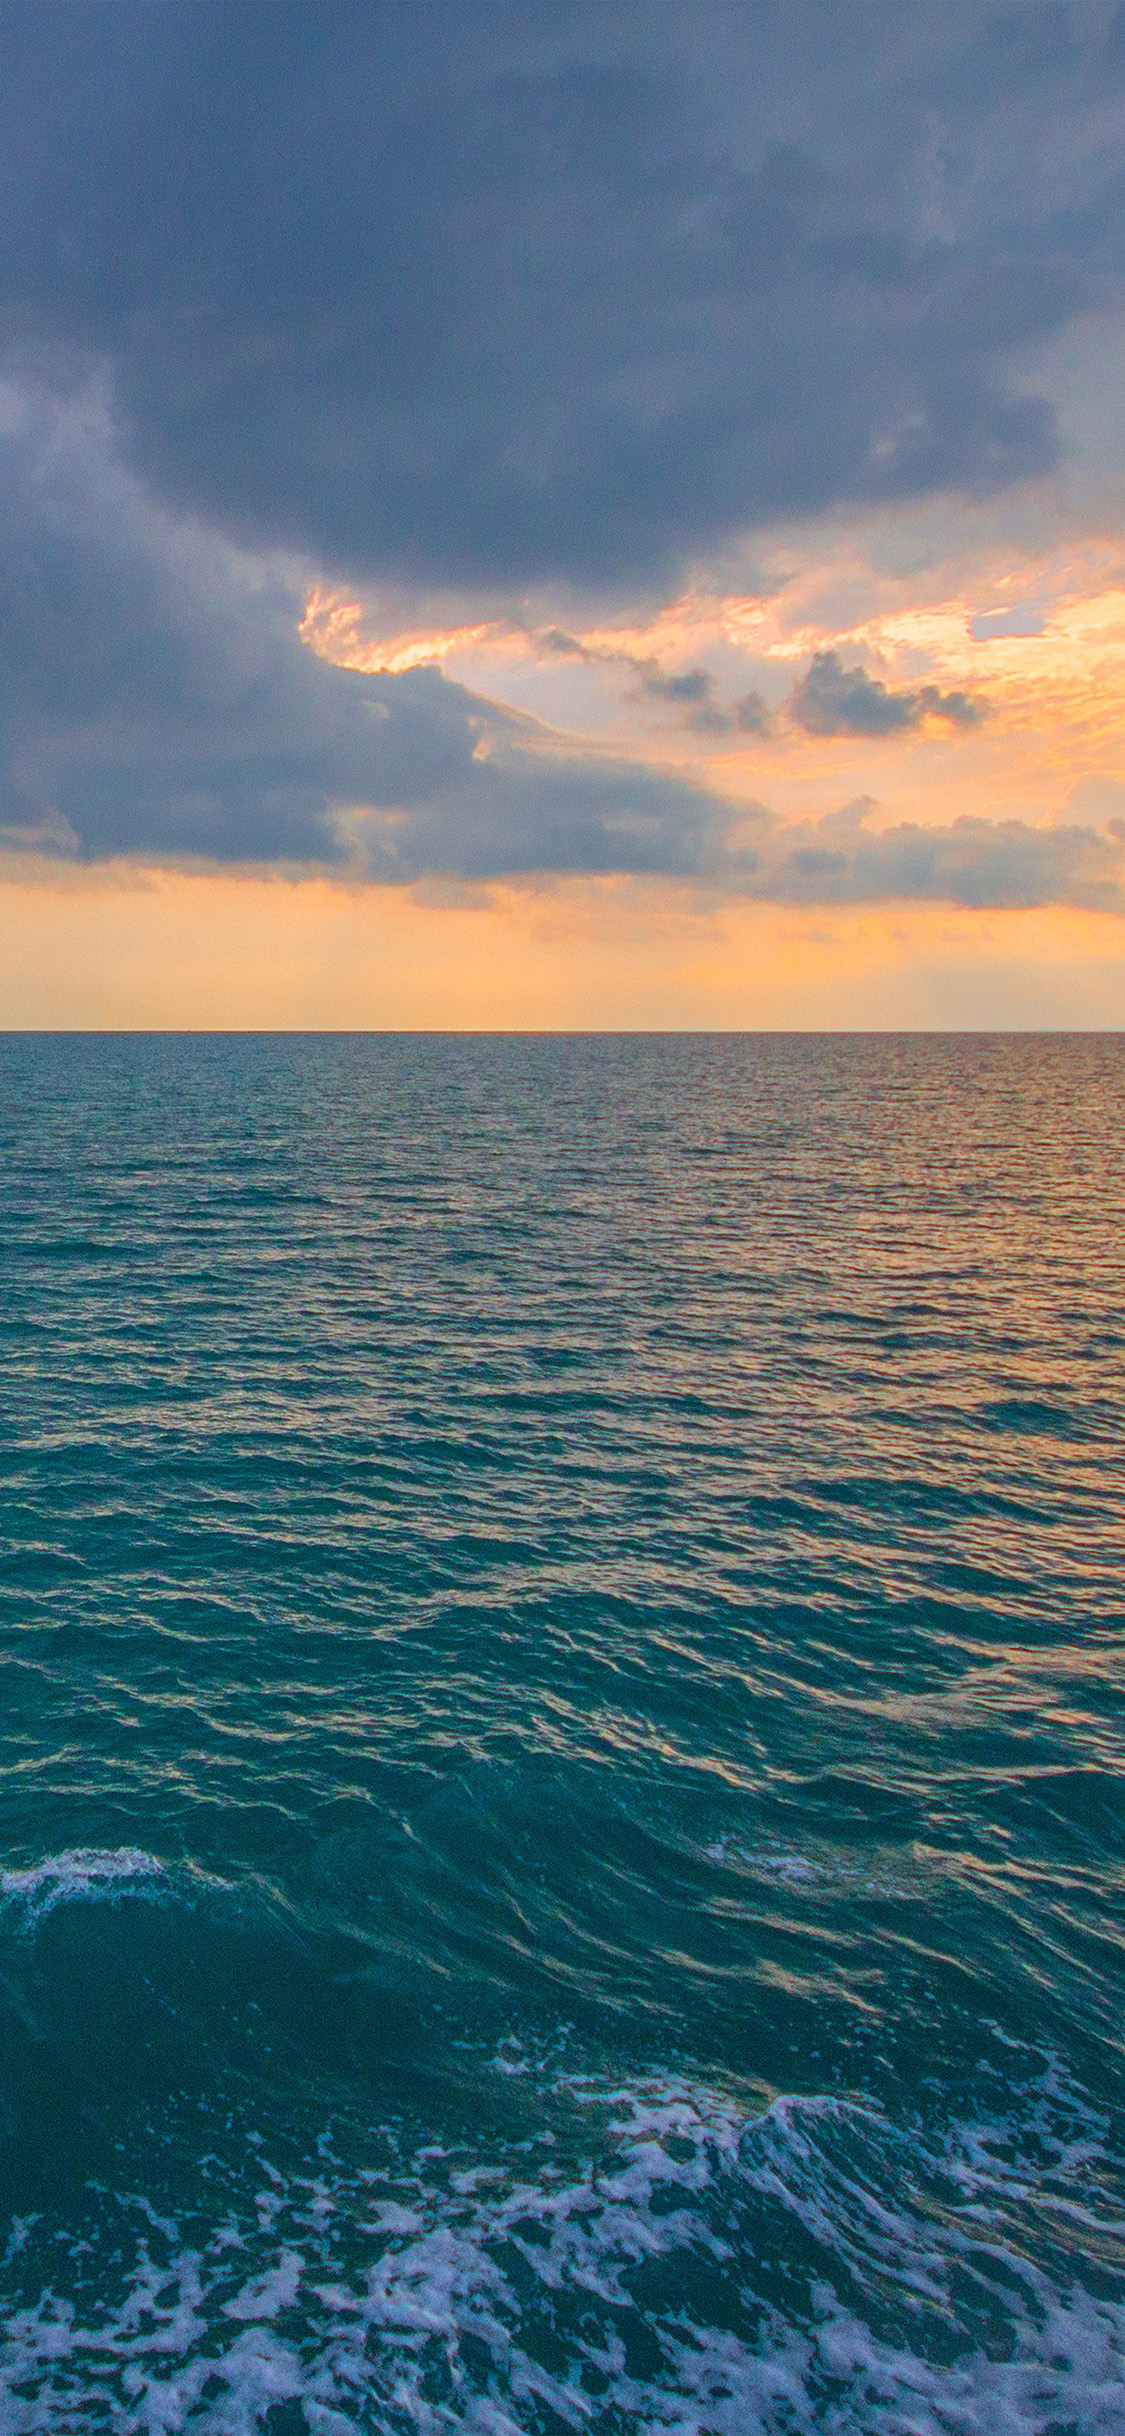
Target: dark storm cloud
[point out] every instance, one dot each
(495, 294)
(831, 700)
(155, 699)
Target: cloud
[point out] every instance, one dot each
(831, 700)
(970, 862)
(157, 704)
(692, 690)
(490, 296)
(751, 714)
(693, 686)
(156, 700)
(704, 714)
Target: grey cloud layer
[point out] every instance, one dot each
(496, 294)
(971, 863)
(155, 701)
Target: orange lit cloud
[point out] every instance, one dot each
(1032, 628)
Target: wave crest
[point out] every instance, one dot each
(83, 1875)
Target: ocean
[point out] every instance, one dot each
(562, 1811)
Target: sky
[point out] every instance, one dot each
(598, 516)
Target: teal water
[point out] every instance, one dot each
(562, 1810)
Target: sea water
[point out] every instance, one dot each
(562, 1815)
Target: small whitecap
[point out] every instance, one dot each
(82, 1875)
(791, 1867)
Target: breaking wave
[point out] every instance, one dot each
(91, 1875)
(690, 2270)
(80, 1876)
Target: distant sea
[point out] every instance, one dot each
(562, 1811)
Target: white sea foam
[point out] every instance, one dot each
(79, 1876)
(644, 2294)
(91, 1874)
(791, 1867)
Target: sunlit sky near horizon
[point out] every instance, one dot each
(583, 516)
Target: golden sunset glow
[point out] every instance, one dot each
(139, 949)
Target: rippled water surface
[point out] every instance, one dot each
(562, 1835)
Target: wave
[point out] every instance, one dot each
(92, 1874)
(696, 2271)
(82, 1875)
